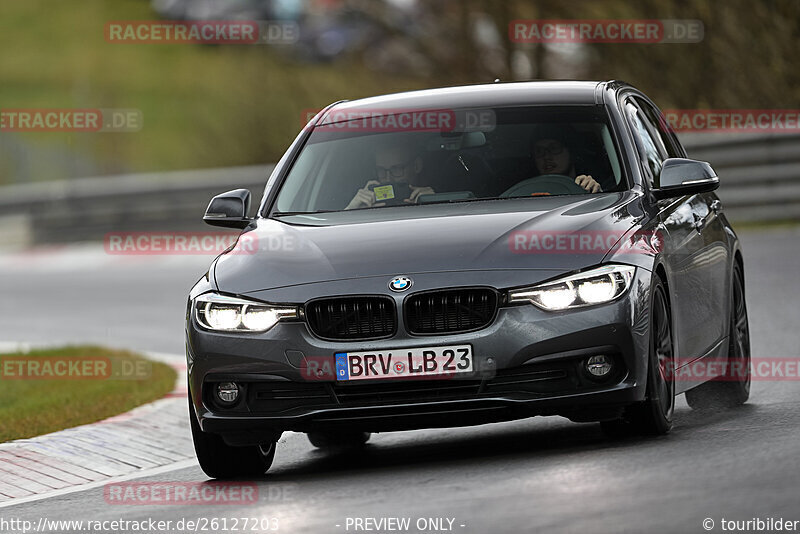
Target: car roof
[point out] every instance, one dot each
(486, 95)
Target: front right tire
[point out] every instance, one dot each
(733, 387)
(217, 459)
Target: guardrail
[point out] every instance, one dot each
(759, 175)
(86, 209)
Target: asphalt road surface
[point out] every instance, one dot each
(542, 474)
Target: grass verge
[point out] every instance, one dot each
(202, 105)
(779, 224)
(44, 391)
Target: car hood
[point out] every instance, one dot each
(510, 234)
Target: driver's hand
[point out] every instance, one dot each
(417, 191)
(364, 198)
(588, 183)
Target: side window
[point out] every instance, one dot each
(653, 150)
(659, 126)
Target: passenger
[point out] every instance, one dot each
(397, 164)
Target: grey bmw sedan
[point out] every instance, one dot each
(461, 256)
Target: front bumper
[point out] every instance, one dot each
(528, 362)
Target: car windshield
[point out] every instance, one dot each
(374, 160)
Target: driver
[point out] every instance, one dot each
(395, 163)
(550, 147)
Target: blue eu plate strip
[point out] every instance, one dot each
(342, 370)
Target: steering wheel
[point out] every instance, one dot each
(553, 184)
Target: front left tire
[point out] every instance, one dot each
(653, 416)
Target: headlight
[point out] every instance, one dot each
(597, 286)
(229, 314)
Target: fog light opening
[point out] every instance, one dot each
(599, 366)
(227, 393)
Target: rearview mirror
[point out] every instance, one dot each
(680, 176)
(229, 210)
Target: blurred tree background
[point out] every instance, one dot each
(227, 105)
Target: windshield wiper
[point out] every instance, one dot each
(461, 200)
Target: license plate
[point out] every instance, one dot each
(404, 363)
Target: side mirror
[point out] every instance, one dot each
(681, 177)
(229, 210)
